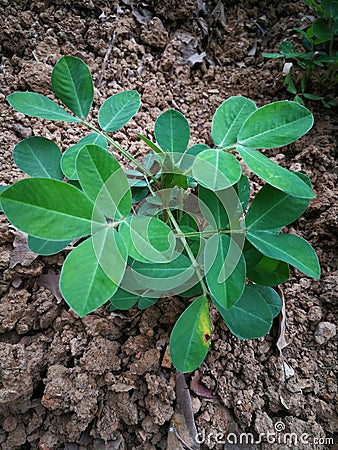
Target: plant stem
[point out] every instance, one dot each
(189, 252)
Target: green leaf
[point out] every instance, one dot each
(272, 208)
(68, 159)
(150, 144)
(330, 7)
(123, 300)
(45, 247)
(275, 125)
(190, 337)
(290, 248)
(212, 207)
(118, 109)
(272, 173)
(187, 160)
(172, 131)
(73, 85)
(2, 188)
(225, 270)
(216, 170)
(229, 118)
(243, 191)
(145, 302)
(148, 239)
(103, 180)
(111, 253)
(272, 55)
(38, 157)
(83, 283)
(251, 317)
(50, 209)
(268, 271)
(174, 277)
(37, 105)
(322, 31)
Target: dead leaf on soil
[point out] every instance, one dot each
(21, 253)
(199, 388)
(182, 433)
(50, 281)
(281, 342)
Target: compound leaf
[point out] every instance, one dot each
(37, 105)
(290, 248)
(190, 337)
(73, 85)
(38, 157)
(272, 173)
(229, 118)
(50, 209)
(172, 131)
(275, 125)
(216, 170)
(103, 180)
(118, 109)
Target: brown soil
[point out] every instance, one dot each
(104, 382)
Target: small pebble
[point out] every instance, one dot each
(324, 332)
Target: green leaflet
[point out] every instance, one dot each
(123, 300)
(45, 247)
(229, 118)
(38, 157)
(275, 125)
(251, 317)
(190, 337)
(225, 270)
(150, 144)
(103, 180)
(290, 248)
(212, 207)
(2, 189)
(50, 209)
(243, 191)
(118, 109)
(83, 283)
(272, 208)
(148, 239)
(73, 85)
(269, 272)
(111, 253)
(174, 277)
(68, 159)
(172, 131)
(37, 105)
(216, 170)
(272, 173)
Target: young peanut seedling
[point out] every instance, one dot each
(177, 223)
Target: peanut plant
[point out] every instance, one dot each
(179, 222)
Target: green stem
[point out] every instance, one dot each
(208, 233)
(189, 252)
